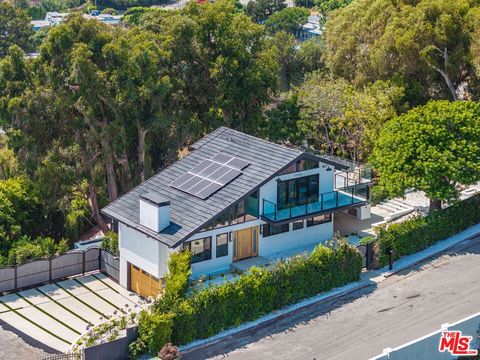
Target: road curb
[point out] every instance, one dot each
(258, 326)
(428, 257)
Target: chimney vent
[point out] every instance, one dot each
(154, 211)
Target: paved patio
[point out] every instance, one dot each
(55, 315)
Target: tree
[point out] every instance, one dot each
(260, 10)
(288, 20)
(425, 40)
(337, 118)
(432, 148)
(15, 28)
(309, 55)
(285, 45)
(326, 6)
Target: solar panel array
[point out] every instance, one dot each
(210, 176)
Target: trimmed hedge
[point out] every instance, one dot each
(421, 232)
(180, 320)
(262, 290)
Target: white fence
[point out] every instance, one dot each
(426, 347)
(75, 262)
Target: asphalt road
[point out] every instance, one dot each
(397, 310)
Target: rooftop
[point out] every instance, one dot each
(189, 213)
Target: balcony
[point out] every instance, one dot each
(323, 203)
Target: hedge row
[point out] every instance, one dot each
(261, 291)
(208, 311)
(421, 232)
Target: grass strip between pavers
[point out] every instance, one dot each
(101, 297)
(62, 306)
(49, 315)
(83, 302)
(35, 324)
(118, 292)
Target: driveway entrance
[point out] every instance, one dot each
(57, 314)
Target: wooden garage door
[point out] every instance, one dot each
(143, 283)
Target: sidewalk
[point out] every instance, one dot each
(367, 278)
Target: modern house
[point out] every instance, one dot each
(310, 29)
(234, 197)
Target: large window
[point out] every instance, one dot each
(244, 210)
(222, 245)
(201, 249)
(268, 229)
(301, 165)
(320, 219)
(295, 192)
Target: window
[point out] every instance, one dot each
(222, 245)
(295, 192)
(201, 249)
(244, 210)
(298, 225)
(306, 164)
(320, 219)
(268, 229)
(301, 165)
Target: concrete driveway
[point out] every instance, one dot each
(55, 315)
(360, 325)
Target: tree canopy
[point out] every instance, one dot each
(288, 20)
(260, 10)
(337, 118)
(432, 148)
(426, 41)
(15, 28)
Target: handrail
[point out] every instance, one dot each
(324, 201)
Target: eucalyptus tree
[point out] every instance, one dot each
(426, 41)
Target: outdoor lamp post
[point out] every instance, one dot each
(390, 259)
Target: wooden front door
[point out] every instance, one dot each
(143, 283)
(246, 243)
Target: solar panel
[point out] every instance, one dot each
(210, 175)
(188, 184)
(238, 164)
(229, 176)
(222, 158)
(199, 186)
(218, 173)
(181, 180)
(209, 190)
(202, 166)
(209, 170)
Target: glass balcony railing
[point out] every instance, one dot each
(324, 202)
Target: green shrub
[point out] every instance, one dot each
(154, 331)
(420, 232)
(263, 290)
(176, 281)
(110, 242)
(179, 319)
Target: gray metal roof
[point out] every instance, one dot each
(189, 213)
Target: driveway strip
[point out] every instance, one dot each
(101, 297)
(35, 324)
(62, 306)
(80, 300)
(49, 315)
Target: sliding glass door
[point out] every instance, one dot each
(298, 191)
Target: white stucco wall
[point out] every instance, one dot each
(142, 251)
(275, 244)
(222, 264)
(326, 180)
